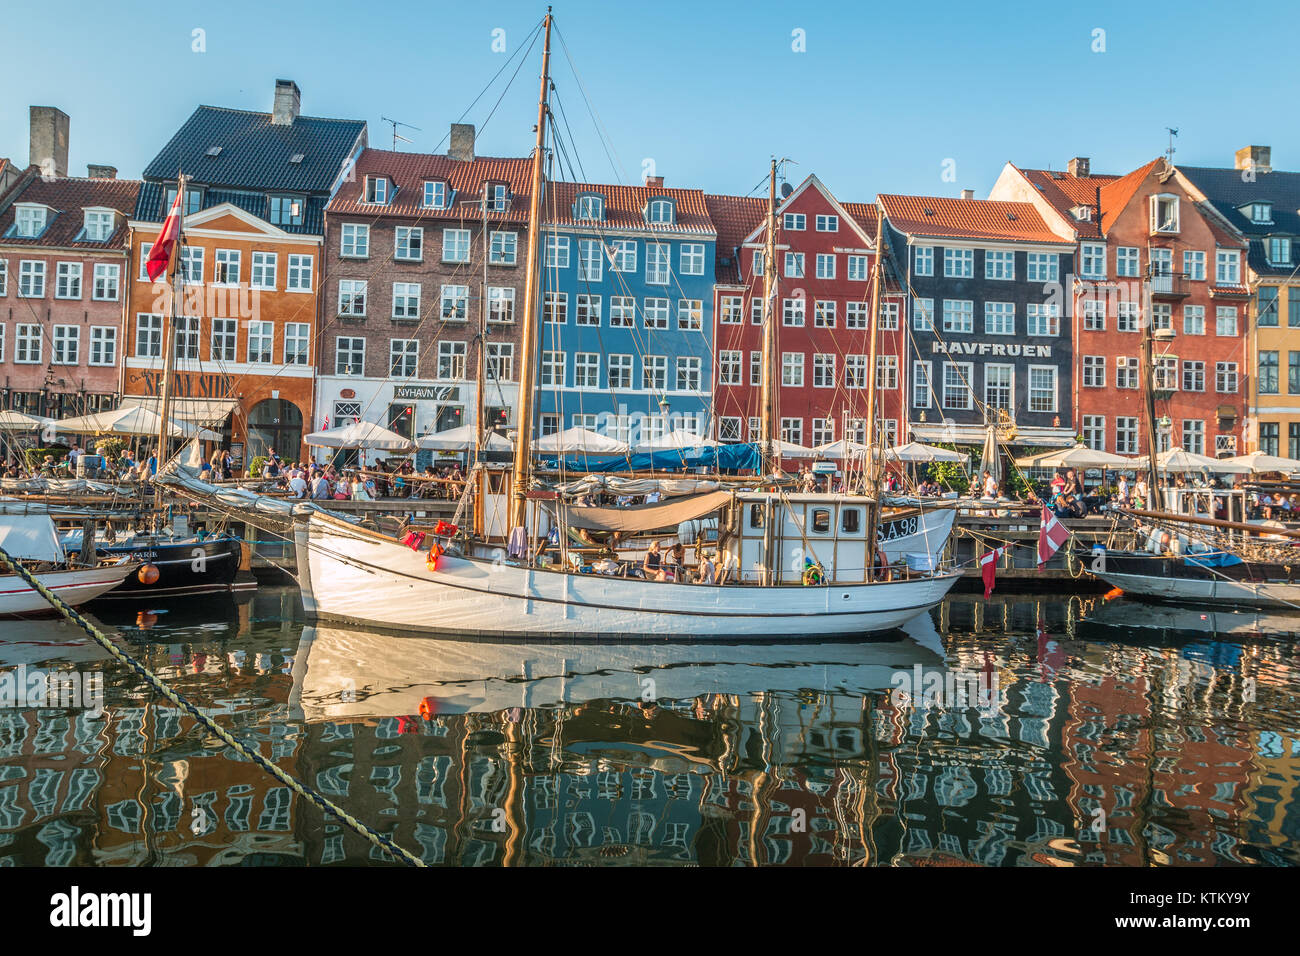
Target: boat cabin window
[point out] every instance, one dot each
(851, 521)
(821, 520)
(756, 516)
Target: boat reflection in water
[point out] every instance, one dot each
(347, 674)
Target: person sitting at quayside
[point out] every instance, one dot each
(652, 566)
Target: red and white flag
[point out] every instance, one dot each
(989, 567)
(160, 256)
(1051, 535)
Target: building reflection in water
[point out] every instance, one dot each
(1118, 734)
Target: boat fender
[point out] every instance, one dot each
(148, 574)
(431, 562)
(428, 707)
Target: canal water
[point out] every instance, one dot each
(1029, 730)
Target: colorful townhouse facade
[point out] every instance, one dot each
(825, 260)
(1262, 206)
(986, 301)
(425, 252)
(254, 229)
(63, 278)
(1147, 251)
(627, 299)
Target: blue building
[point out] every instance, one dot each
(626, 333)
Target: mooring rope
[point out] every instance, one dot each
(255, 756)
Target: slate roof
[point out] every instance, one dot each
(255, 155)
(68, 197)
(734, 217)
(408, 173)
(1226, 191)
(945, 218)
(624, 207)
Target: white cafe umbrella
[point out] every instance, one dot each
(842, 448)
(1175, 459)
(580, 441)
(1258, 462)
(675, 441)
(360, 435)
(18, 422)
(788, 449)
(915, 451)
(130, 420)
(462, 438)
(1080, 456)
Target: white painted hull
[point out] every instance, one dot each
(1206, 590)
(74, 587)
(347, 574)
(343, 674)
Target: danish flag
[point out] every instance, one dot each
(1051, 535)
(160, 256)
(989, 567)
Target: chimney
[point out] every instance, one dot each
(96, 171)
(1079, 166)
(49, 140)
(462, 143)
(968, 194)
(656, 181)
(1258, 158)
(288, 102)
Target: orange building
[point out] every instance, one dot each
(245, 337)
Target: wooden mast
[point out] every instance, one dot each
(770, 358)
(480, 371)
(1147, 372)
(875, 459)
(177, 276)
(530, 329)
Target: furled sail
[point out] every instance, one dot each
(668, 514)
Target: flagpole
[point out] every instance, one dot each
(177, 277)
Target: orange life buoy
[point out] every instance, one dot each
(431, 562)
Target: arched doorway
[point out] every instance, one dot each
(274, 423)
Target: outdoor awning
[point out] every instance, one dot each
(646, 517)
(203, 411)
(974, 434)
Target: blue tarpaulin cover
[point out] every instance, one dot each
(742, 457)
(1212, 559)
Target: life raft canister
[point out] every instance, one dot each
(431, 562)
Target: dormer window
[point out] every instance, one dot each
(660, 211)
(498, 196)
(29, 221)
(193, 200)
(435, 194)
(1164, 214)
(1082, 213)
(1261, 212)
(590, 209)
(1279, 250)
(377, 190)
(285, 210)
(98, 225)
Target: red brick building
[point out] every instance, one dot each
(825, 253)
(1146, 249)
(63, 278)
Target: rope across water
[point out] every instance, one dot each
(307, 793)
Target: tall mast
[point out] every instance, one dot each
(529, 330)
(770, 358)
(177, 276)
(480, 373)
(1147, 371)
(875, 461)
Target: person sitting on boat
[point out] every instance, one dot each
(707, 572)
(675, 563)
(607, 563)
(652, 566)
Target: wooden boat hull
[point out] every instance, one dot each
(351, 575)
(17, 598)
(186, 566)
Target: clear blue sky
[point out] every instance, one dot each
(881, 97)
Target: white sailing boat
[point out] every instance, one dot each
(32, 539)
(805, 566)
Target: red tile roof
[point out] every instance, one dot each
(866, 214)
(625, 205)
(68, 197)
(942, 217)
(408, 173)
(1065, 191)
(1116, 194)
(735, 217)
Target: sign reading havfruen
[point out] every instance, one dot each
(991, 348)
